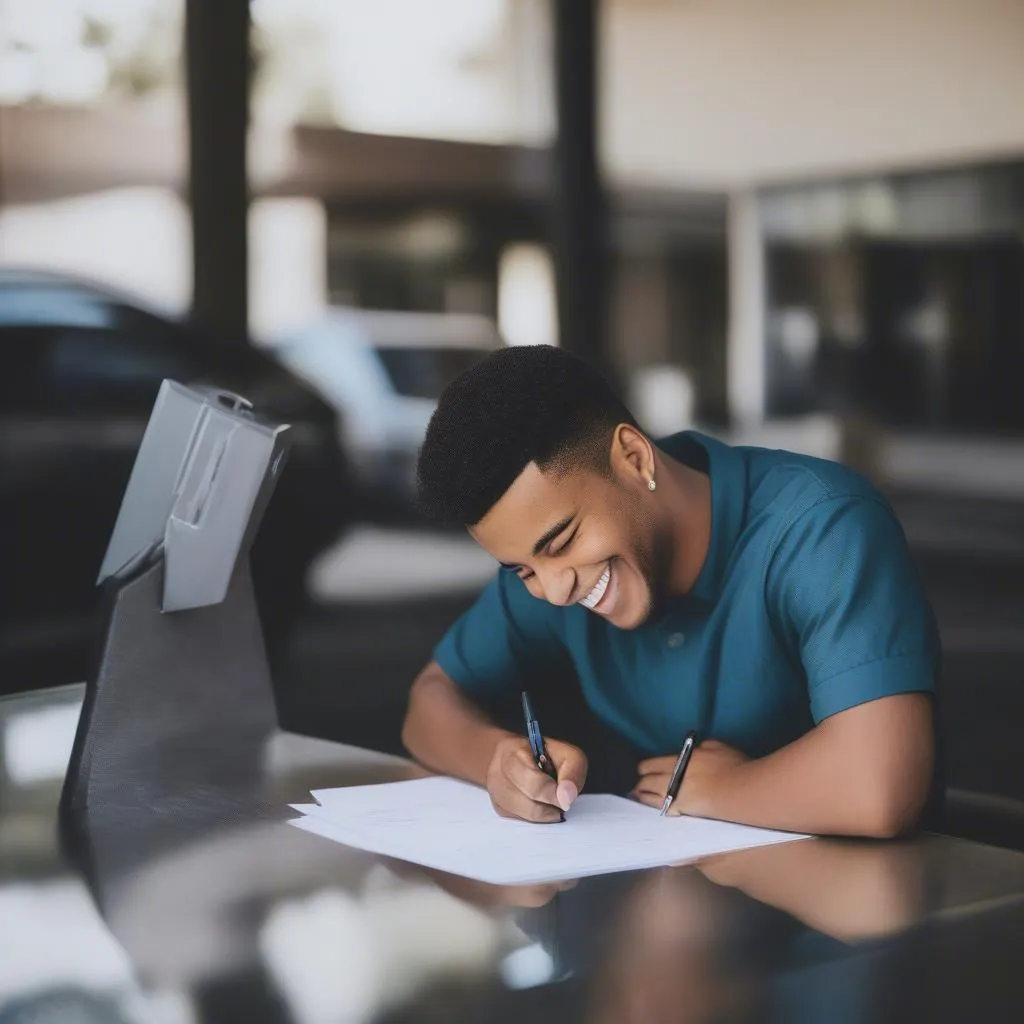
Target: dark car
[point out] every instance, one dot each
(81, 367)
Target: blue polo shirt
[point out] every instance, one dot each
(807, 604)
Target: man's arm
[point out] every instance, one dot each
(844, 596)
(866, 771)
(445, 731)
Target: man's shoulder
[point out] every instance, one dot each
(788, 484)
(778, 486)
(769, 470)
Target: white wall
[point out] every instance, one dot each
(137, 240)
(721, 92)
(287, 264)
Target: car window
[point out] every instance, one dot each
(44, 306)
(87, 369)
(425, 372)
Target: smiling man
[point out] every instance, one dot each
(765, 599)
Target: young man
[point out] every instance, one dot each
(765, 599)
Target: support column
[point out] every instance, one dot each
(745, 356)
(218, 74)
(578, 202)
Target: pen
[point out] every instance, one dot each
(533, 734)
(679, 770)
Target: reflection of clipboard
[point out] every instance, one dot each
(182, 653)
(523, 968)
(568, 927)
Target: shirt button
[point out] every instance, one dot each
(676, 640)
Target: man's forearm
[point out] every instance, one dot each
(864, 773)
(791, 789)
(445, 731)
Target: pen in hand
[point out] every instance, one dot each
(679, 771)
(540, 754)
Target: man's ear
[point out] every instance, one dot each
(632, 454)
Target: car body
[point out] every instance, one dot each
(82, 368)
(384, 371)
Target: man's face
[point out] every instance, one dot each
(581, 537)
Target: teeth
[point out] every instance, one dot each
(594, 597)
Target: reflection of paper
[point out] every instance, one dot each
(451, 826)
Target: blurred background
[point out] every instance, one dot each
(797, 224)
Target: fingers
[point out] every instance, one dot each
(522, 790)
(510, 803)
(566, 794)
(517, 807)
(644, 797)
(651, 789)
(519, 789)
(654, 798)
(656, 765)
(523, 773)
(656, 784)
(571, 764)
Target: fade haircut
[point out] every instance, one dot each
(522, 404)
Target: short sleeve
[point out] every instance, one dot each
(844, 592)
(505, 639)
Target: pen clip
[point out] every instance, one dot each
(536, 738)
(536, 744)
(532, 729)
(540, 755)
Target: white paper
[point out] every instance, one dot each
(450, 826)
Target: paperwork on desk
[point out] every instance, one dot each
(449, 825)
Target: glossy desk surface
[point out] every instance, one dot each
(206, 907)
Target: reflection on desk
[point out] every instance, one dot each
(205, 906)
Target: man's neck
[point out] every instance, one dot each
(688, 496)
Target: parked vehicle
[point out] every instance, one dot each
(81, 370)
(384, 372)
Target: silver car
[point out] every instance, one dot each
(385, 372)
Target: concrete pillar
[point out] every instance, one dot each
(745, 363)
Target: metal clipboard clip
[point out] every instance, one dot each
(201, 481)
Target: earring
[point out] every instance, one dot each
(651, 485)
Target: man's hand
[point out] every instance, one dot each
(710, 765)
(809, 785)
(519, 789)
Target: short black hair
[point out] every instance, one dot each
(521, 404)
